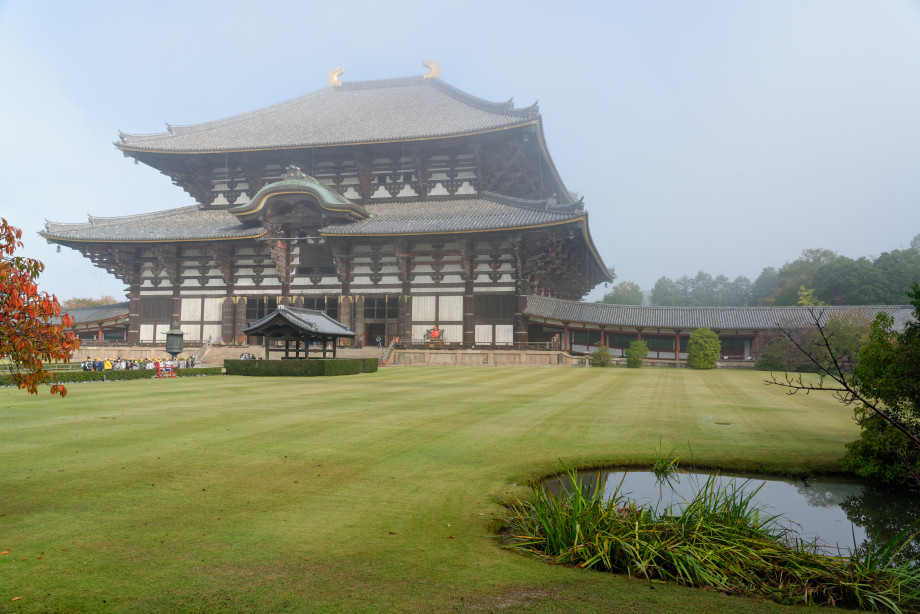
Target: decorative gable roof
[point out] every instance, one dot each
(349, 113)
(296, 184)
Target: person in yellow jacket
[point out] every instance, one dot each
(107, 365)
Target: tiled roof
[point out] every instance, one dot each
(294, 319)
(88, 315)
(183, 224)
(358, 112)
(489, 212)
(191, 223)
(689, 318)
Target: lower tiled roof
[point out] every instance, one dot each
(467, 215)
(689, 318)
(182, 224)
(435, 216)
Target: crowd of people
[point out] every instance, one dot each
(245, 356)
(127, 364)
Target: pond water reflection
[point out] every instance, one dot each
(837, 512)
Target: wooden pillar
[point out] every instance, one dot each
(520, 320)
(134, 315)
(287, 348)
(358, 317)
(404, 315)
(565, 337)
(345, 313)
(756, 345)
(676, 346)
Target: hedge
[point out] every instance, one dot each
(72, 377)
(301, 368)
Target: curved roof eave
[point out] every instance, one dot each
(222, 150)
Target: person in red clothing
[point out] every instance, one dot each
(435, 333)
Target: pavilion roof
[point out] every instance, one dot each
(350, 113)
(456, 215)
(294, 322)
(689, 318)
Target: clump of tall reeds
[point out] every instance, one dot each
(719, 539)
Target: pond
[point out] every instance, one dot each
(837, 512)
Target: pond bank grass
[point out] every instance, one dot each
(719, 539)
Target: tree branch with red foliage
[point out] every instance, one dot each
(33, 331)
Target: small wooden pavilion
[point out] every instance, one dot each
(305, 327)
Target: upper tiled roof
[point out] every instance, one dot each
(358, 112)
(183, 224)
(489, 212)
(689, 318)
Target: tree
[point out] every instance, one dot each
(601, 357)
(635, 353)
(74, 303)
(32, 329)
(807, 297)
(703, 349)
(884, 388)
(915, 243)
(765, 286)
(800, 272)
(665, 292)
(624, 293)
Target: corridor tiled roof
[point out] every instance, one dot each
(353, 112)
(689, 318)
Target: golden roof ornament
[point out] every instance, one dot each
(334, 75)
(433, 69)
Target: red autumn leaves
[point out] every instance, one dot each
(29, 335)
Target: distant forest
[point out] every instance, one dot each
(817, 277)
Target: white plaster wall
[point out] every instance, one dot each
(213, 309)
(504, 333)
(484, 334)
(450, 308)
(212, 331)
(191, 310)
(192, 332)
(146, 333)
(452, 333)
(423, 309)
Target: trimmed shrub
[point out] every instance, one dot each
(703, 349)
(301, 368)
(70, 377)
(601, 357)
(635, 353)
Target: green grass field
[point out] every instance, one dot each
(367, 493)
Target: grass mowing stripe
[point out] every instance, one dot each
(385, 498)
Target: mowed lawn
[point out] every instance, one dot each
(367, 493)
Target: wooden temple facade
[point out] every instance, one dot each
(389, 205)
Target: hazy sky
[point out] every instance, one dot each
(722, 136)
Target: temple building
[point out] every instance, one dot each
(390, 205)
